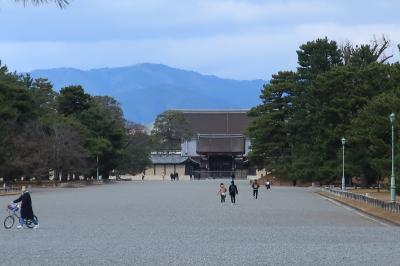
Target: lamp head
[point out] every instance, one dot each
(343, 141)
(392, 117)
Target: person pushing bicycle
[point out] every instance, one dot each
(26, 208)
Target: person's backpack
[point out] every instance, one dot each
(232, 189)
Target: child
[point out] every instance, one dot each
(222, 192)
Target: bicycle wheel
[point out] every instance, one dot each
(30, 223)
(35, 219)
(9, 221)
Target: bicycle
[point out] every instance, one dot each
(13, 213)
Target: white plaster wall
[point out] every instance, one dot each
(189, 147)
(180, 169)
(170, 169)
(247, 146)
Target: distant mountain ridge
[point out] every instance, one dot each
(145, 90)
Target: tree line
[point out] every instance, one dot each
(337, 91)
(67, 133)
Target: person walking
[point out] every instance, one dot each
(268, 184)
(26, 208)
(255, 187)
(222, 192)
(233, 191)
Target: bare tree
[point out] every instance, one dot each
(27, 151)
(67, 154)
(378, 47)
(366, 53)
(347, 49)
(59, 3)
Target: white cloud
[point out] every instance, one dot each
(235, 39)
(234, 56)
(359, 33)
(245, 11)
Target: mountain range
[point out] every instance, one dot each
(146, 90)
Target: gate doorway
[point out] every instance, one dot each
(221, 163)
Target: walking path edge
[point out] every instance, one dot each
(371, 211)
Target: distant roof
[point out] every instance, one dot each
(169, 159)
(212, 111)
(217, 121)
(231, 144)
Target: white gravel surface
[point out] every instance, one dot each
(183, 223)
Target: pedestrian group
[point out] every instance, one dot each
(233, 190)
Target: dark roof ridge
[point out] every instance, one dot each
(212, 111)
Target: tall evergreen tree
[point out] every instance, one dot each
(269, 134)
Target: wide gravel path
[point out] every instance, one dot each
(183, 223)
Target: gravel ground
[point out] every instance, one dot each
(183, 223)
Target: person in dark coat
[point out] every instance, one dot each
(26, 208)
(233, 191)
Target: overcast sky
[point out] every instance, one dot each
(233, 39)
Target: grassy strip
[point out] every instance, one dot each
(382, 195)
(9, 193)
(366, 208)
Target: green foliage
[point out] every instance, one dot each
(170, 128)
(16, 109)
(317, 57)
(42, 131)
(135, 155)
(73, 100)
(370, 135)
(103, 121)
(335, 92)
(16, 103)
(270, 134)
(44, 96)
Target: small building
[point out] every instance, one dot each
(218, 148)
(219, 143)
(166, 163)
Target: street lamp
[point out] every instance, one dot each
(343, 179)
(392, 179)
(97, 168)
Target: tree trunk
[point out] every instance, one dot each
(106, 175)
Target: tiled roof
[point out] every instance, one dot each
(169, 159)
(221, 144)
(217, 121)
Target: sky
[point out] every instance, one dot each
(235, 39)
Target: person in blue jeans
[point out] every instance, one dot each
(233, 191)
(26, 208)
(255, 187)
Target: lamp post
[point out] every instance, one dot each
(392, 178)
(343, 179)
(97, 167)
